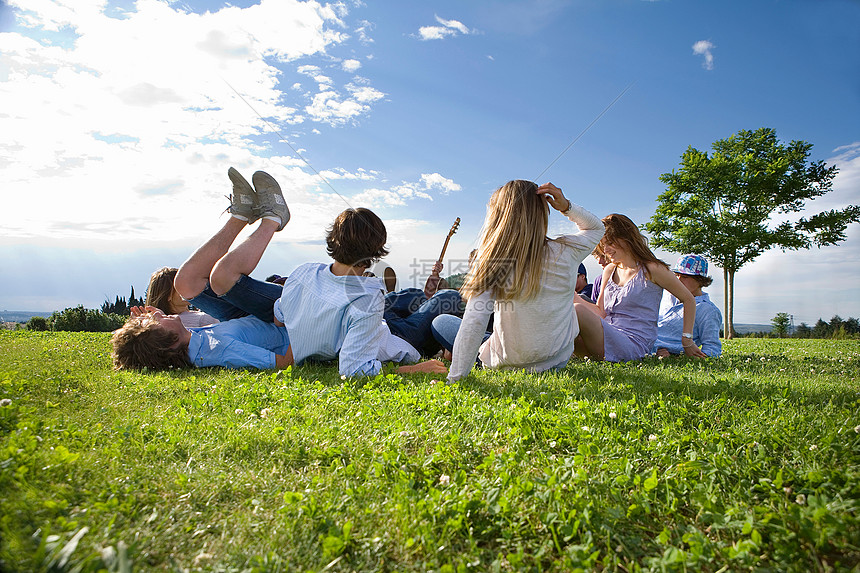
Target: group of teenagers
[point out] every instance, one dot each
(518, 308)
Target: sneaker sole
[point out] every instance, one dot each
(244, 199)
(271, 199)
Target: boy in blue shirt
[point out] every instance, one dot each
(333, 311)
(692, 271)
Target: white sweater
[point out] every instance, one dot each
(534, 334)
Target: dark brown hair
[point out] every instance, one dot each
(703, 281)
(160, 289)
(143, 343)
(357, 238)
(620, 230)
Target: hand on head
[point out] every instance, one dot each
(554, 197)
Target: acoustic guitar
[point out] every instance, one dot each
(434, 280)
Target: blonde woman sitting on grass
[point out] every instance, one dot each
(525, 280)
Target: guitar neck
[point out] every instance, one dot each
(448, 238)
(444, 248)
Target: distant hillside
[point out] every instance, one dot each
(20, 315)
(747, 328)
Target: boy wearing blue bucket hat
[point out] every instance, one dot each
(692, 271)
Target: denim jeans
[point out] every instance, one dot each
(409, 315)
(445, 329)
(247, 296)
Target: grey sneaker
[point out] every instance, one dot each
(270, 200)
(243, 201)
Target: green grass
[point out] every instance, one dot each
(747, 462)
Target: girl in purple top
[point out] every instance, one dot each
(622, 325)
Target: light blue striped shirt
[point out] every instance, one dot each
(330, 316)
(706, 330)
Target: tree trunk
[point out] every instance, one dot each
(730, 304)
(726, 304)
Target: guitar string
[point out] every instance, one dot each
(587, 127)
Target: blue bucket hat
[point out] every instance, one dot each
(694, 265)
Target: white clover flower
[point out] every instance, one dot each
(239, 411)
(800, 499)
(652, 438)
(613, 415)
(404, 433)
(265, 413)
(586, 429)
(813, 447)
(5, 402)
(552, 444)
(857, 429)
(434, 382)
(343, 376)
(444, 479)
(787, 490)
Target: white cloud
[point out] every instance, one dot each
(340, 173)
(398, 195)
(436, 181)
(447, 28)
(351, 66)
(363, 32)
(114, 122)
(703, 48)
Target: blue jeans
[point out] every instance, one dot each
(409, 315)
(247, 296)
(445, 329)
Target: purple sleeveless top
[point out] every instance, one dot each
(630, 326)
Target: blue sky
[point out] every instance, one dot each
(120, 119)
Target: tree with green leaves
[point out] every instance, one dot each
(780, 323)
(723, 205)
(803, 331)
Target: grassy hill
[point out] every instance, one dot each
(746, 462)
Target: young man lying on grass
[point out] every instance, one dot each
(330, 310)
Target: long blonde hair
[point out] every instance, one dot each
(511, 251)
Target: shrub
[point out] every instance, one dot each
(38, 323)
(85, 319)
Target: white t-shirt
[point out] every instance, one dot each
(196, 319)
